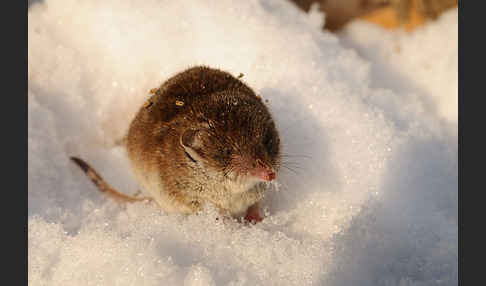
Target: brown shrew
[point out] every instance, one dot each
(204, 137)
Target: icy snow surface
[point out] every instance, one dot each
(368, 122)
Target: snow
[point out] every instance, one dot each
(368, 123)
(424, 63)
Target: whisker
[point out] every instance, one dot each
(291, 164)
(290, 169)
(294, 156)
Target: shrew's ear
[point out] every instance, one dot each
(192, 138)
(191, 141)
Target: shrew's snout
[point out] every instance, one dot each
(265, 174)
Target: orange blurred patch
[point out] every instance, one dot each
(389, 17)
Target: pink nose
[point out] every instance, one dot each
(268, 175)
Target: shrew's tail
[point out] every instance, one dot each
(103, 186)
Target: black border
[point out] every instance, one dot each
(14, 210)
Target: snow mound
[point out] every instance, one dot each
(423, 63)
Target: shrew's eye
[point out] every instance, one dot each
(268, 140)
(223, 154)
(271, 141)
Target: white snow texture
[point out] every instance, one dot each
(368, 123)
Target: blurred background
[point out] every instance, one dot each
(387, 13)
